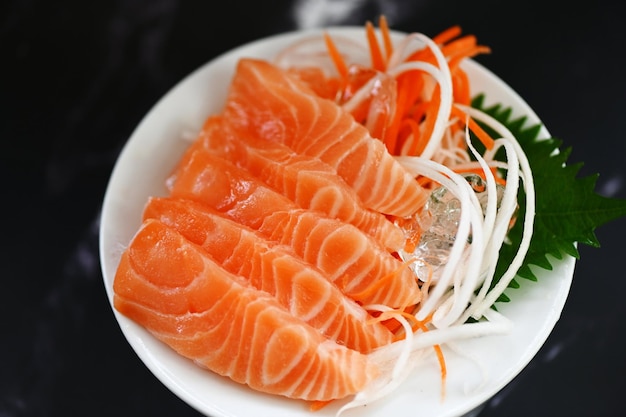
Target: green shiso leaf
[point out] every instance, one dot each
(568, 210)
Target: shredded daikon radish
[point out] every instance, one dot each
(395, 369)
(529, 215)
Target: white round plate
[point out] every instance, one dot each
(140, 172)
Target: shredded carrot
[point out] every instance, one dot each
(409, 107)
(460, 87)
(392, 324)
(400, 334)
(439, 352)
(378, 63)
(407, 125)
(455, 60)
(335, 55)
(447, 35)
(459, 46)
(361, 112)
(432, 108)
(384, 29)
(413, 130)
(474, 127)
(427, 183)
(442, 366)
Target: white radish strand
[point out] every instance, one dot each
(391, 376)
(494, 323)
(529, 215)
(470, 220)
(492, 215)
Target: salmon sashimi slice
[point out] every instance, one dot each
(273, 268)
(305, 180)
(353, 260)
(363, 271)
(275, 105)
(216, 182)
(217, 319)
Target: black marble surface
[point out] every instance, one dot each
(77, 77)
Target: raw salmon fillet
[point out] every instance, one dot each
(363, 271)
(272, 104)
(217, 319)
(305, 180)
(273, 268)
(214, 181)
(353, 260)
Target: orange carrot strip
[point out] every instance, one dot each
(414, 327)
(455, 60)
(424, 182)
(409, 88)
(413, 83)
(391, 135)
(447, 35)
(378, 63)
(340, 64)
(418, 111)
(439, 353)
(443, 368)
(429, 124)
(393, 324)
(425, 55)
(461, 88)
(360, 113)
(410, 124)
(384, 28)
(414, 130)
(407, 313)
(474, 127)
(459, 45)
